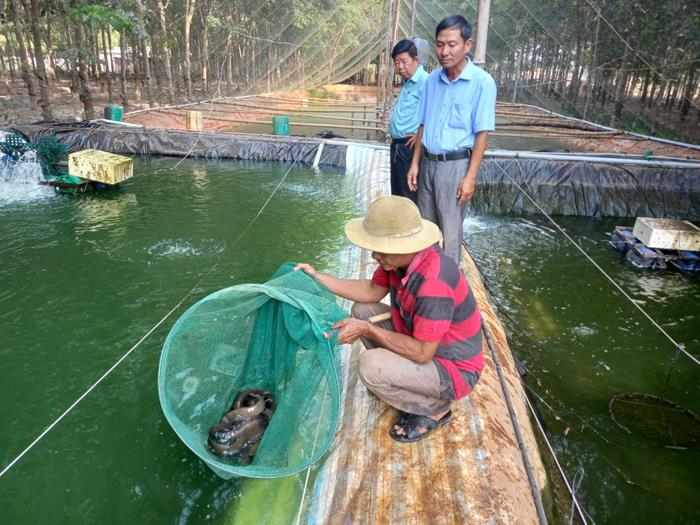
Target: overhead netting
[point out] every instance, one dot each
(256, 336)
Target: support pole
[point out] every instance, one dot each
(394, 7)
(381, 61)
(482, 32)
(413, 19)
(392, 35)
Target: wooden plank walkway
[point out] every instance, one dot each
(470, 471)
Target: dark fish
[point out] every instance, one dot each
(240, 430)
(238, 439)
(245, 412)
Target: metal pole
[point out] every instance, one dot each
(482, 26)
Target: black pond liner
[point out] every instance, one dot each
(561, 187)
(656, 420)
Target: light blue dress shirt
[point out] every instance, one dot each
(404, 120)
(453, 112)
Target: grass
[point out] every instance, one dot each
(320, 93)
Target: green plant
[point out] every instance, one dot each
(320, 93)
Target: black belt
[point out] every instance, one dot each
(399, 141)
(452, 155)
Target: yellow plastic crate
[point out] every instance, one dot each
(100, 166)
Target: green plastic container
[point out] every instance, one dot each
(113, 112)
(280, 125)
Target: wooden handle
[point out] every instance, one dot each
(380, 317)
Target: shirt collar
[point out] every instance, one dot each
(415, 263)
(466, 74)
(415, 76)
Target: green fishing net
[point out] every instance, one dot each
(266, 336)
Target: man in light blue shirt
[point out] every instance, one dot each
(404, 120)
(456, 112)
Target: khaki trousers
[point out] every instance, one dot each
(411, 387)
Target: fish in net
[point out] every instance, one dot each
(268, 337)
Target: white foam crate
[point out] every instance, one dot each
(667, 234)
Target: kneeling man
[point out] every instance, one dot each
(428, 352)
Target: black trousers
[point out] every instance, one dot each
(400, 158)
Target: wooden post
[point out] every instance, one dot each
(194, 121)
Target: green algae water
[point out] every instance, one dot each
(582, 343)
(83, 278)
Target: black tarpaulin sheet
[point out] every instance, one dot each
(128, 140)
(587, 189)
(560, 187)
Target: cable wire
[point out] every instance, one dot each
(679, 346)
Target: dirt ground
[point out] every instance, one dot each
(15, 108)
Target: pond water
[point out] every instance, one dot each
(83, 278)
(582, 343)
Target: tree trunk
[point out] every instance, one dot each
(645, 89)
(122, 48)
(575, 81)
(9, 48)
(108, 74)
(92, 43)
(621, 83)
(49, 52)
(84, 88)
(189, 14)
(205, 50)
(166, 48)
(146, 60)
(688, 91)
(663, 82)
(136, 61)
(27, 74)
(147, 73)
(652, 91)
(44, 98)
(671, 97)
(229, 62)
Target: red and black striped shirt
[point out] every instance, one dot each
(432, 301)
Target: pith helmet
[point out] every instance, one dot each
(392, 225)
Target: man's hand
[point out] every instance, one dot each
(351, 329)
(466, 190)
(411, 140)
(308, 269)
(412, 177)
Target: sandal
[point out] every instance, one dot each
(412, 422)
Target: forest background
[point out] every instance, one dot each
(624, 63)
